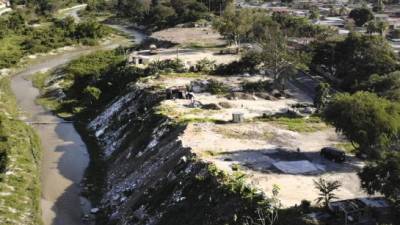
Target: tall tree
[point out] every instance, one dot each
(383, 176)
(354, 60)
(276, 56)
(387, 86)
(370, 122)
(361, 15)
(236, 25)
(321, 96)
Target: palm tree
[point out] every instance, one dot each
(326, 189)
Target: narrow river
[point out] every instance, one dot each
(65, 155)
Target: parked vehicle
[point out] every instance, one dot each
(333, 154)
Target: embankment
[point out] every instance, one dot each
(151, 179)
(20, 156)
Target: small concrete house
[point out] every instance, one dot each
(138, 59)
(361, 210)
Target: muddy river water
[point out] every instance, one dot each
(65, 155)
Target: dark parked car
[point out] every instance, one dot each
(333, 154)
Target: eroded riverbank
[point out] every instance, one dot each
(65, 156)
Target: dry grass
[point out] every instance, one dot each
(238, 133)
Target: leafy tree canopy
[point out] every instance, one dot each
(365, 119)
(387, 86)
(383, 176)
(361, 15)
(354, 59)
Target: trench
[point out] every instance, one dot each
(65, 154)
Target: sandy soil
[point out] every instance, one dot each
(205, 36)
(191, 56)
(257, 145)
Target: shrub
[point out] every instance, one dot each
(3, 160)
(166, 66)
(305, 206)
(216, 87)
(259, 86)
(249, 63)
(91, 95)
(205, 65)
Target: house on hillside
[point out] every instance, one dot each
(369, 210)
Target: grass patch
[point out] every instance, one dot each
(186, 120)
(233, 133)
(49, 103)
(39, 80)
(347, 147)
(210, 153)
(182, 117)
(10, 50)
(20, 185)
(297, 124)
(197, 45)
(184, 75)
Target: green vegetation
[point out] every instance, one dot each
(87, 82)
(347, 147)
(18, 39)
(326, 190)
(293, 123)
(39, 80)
(205, 65)
(184, 117)
(246, 25)
(166, 66)
(252, 202)
(387, 86)
(260, 86)
(158, 15)
(230, 132)
(383, 176)
(374, 26)
(353, 60)
(91, 82)
(293, 26)
(367, 120)
(322, 96)
(217, 88)
(248, 63)
(10, 50)
(20, 156)
(43, 7)
(361, 15)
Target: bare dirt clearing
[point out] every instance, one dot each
(191, 55)
(259, 148)
(201, 36)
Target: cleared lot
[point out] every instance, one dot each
(261, 148)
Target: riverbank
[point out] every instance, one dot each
(20, 182)
(65, 156)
